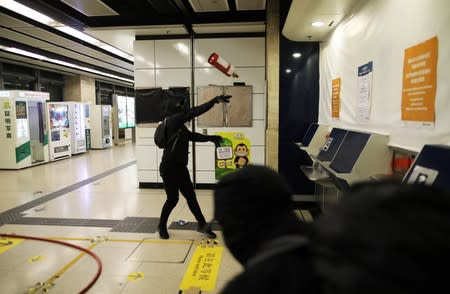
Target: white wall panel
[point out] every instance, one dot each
(179, 77)
(237, 51)
(206, 177)
(144, 78)
(253, 76)
(146, 157)
(205, 157)
(172, 68)
(144, 54)
(259, 106)
(363, 38)
(147, 176)
(173, 53)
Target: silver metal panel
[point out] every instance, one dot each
(76, 47)
(209, 5)
(11, 22)
(250, 4)
(256, 27)
(13, 58)
(91, 7)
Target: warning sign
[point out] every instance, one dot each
(419, 82)
(203, 268)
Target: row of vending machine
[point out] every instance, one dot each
(34, 130)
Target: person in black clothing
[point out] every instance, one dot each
(254, 208)
(382, 237)
(173, 167)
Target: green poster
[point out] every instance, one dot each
(233, 153)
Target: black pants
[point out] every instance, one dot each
(176, 179)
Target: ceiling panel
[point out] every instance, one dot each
(9, 57)
(73, 50)
(303, 12)
(209, 5)
(91, 7)
(11, 22)
(230, 28)
(250, 4)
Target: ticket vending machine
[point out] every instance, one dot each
(431, 167)
(87, 125)
(23, 131)
(101, 126)
(59, 130)
(77, 127)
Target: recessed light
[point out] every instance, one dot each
(317, 23)
(297, 55)
(288, 70)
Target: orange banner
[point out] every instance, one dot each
(419, 82)
(335, 97)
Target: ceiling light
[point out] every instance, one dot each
(318, 23)
(61, 62)
(297, 55)
(288, 70)
(39, 17)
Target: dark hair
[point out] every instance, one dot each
(385, 238)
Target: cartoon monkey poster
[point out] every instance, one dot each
(233, 153)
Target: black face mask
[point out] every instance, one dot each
(177, 105)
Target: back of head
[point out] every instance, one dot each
(246, 202)
(385, 238)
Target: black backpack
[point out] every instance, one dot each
(161, 134)
(161, 138)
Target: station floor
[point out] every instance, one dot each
(93, 200)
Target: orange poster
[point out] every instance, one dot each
(335, 97)
(419, 82)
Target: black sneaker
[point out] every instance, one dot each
(207, 231)
(163, 234)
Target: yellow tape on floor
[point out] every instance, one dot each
(203, 268)
(8, 243)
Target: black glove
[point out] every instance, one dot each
(222, 98)
(215, 139)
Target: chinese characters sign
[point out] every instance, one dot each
(419, 82)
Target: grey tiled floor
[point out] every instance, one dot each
(98, 185)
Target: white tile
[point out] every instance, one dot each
(147, 157)
(173, 53)
(144, 54)
(144, 78)
(173, 77)
(236, 51)
(259, 106)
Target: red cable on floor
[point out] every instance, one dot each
(92, 254)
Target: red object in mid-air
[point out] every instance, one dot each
(222, 65)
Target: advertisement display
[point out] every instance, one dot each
(233, 153)
(122, 111)
(130, 113)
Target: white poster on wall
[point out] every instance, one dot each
(365, 91)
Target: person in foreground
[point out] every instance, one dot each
(382, 237)
(173, 168)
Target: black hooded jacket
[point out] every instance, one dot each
(176, 152)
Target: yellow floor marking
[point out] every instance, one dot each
(51, 281)
(36, 258)
(8, 243)
(134, 276)
(203, 268)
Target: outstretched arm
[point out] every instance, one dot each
(197, 137)
(202, 108)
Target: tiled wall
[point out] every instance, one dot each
(166, 63)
